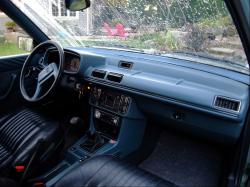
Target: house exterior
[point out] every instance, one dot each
(80, 22)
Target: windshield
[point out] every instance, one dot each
(201, 31)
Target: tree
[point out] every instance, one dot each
(193, 11)
(145, 13)
(108, 10)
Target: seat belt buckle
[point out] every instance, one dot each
(20, 168)
(38, 184)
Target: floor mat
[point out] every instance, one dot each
(184, 161)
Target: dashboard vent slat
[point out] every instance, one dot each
(99, 73)
(227, 103)
(126, 65)
(115, 77)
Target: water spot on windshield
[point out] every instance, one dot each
(167, 27)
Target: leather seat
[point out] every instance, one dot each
(109, 171)
(19, 134)
(5, 182)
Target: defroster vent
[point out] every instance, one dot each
(99, 73)
(115, 77)
(227, 103)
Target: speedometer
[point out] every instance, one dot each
(72, 63)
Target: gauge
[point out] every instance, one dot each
(72, 63)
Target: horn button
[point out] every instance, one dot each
(45, 73)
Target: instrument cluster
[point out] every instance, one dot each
(72, 62)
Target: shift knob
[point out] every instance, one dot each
(76, 121)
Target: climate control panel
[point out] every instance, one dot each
(110, 100)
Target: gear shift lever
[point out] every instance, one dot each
(94, 141)
(76, 121)
(76, 127)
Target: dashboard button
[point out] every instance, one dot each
(178, 116)
(98, 114)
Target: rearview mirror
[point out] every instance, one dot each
(76, 5)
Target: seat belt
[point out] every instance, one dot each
(35, 155)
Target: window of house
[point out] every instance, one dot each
(57, 9)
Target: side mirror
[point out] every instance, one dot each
(76, 5)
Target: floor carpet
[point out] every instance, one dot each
(184, 161)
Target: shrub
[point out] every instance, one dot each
(10, 24)
(146, 37)
(2, 39)
(116, 21)
(217, 23)
(195, 38)
(172, 42)
(229, 31)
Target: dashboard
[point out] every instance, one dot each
(205, 100)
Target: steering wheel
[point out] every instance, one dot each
(45, 73)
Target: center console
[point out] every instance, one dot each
(116, 128)
(109, 118)
(109, 108)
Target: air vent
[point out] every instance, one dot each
(126, 65)
(226, 103)
(99, 73)
(115, 77)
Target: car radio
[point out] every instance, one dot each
(113, 101)
(107, 124)
(106, 117)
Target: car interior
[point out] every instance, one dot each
(74, 116)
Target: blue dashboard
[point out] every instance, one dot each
(204, 100)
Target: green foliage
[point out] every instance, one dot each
(10, 49)
(10, 24)
(160, 39)
(156, 40)
(2, 39)
(193, 11)
(219, 25)
(107, 12)
(230, 31)
(146, 36)
(218, 22)
(171, 41)
(116, 21)
(195, 38)
(147, 12)
(161, 14)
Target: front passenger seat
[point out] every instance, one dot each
(19, 136)
(107, 171)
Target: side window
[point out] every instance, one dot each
(13, 39)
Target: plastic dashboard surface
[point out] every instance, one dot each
(172, 81)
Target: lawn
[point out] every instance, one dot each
(10, 49)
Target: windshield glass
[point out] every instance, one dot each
(201, 31)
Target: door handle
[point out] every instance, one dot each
(13, 78)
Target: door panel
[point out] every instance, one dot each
(12, 63)
(10, 69)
